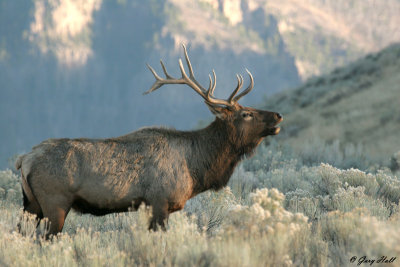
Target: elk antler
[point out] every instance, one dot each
(195, 85)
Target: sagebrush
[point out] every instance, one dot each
(277, 211)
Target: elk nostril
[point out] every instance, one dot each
(278, 116)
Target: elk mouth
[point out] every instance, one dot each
(273, 130)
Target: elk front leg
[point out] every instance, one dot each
(160, 215)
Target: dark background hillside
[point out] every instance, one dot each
(69, 69)
(357, 104)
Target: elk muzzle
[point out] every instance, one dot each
(272, 119)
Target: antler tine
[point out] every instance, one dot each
(215, 82)
(191, 82)
(211, 87)
(158, 78)
(165, 70)
(184, 75)
(248, 89)
(191, 73)
(157, 83)
(239, 85)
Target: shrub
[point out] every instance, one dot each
(278, 210)
(10, 187)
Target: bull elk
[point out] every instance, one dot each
(160, 167)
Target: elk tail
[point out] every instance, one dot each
(30, 202)
(18, 162)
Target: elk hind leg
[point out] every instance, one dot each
(31, 206)
(56, 210)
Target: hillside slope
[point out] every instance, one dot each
(339, 30)
(319, 34)
(358, 104)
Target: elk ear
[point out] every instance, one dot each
(220, 112)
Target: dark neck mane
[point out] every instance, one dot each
(213, 156)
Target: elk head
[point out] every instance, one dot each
(247, 126)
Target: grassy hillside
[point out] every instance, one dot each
(358, 104)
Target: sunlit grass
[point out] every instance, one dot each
(276, 211)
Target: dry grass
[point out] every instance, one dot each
(275, 212)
